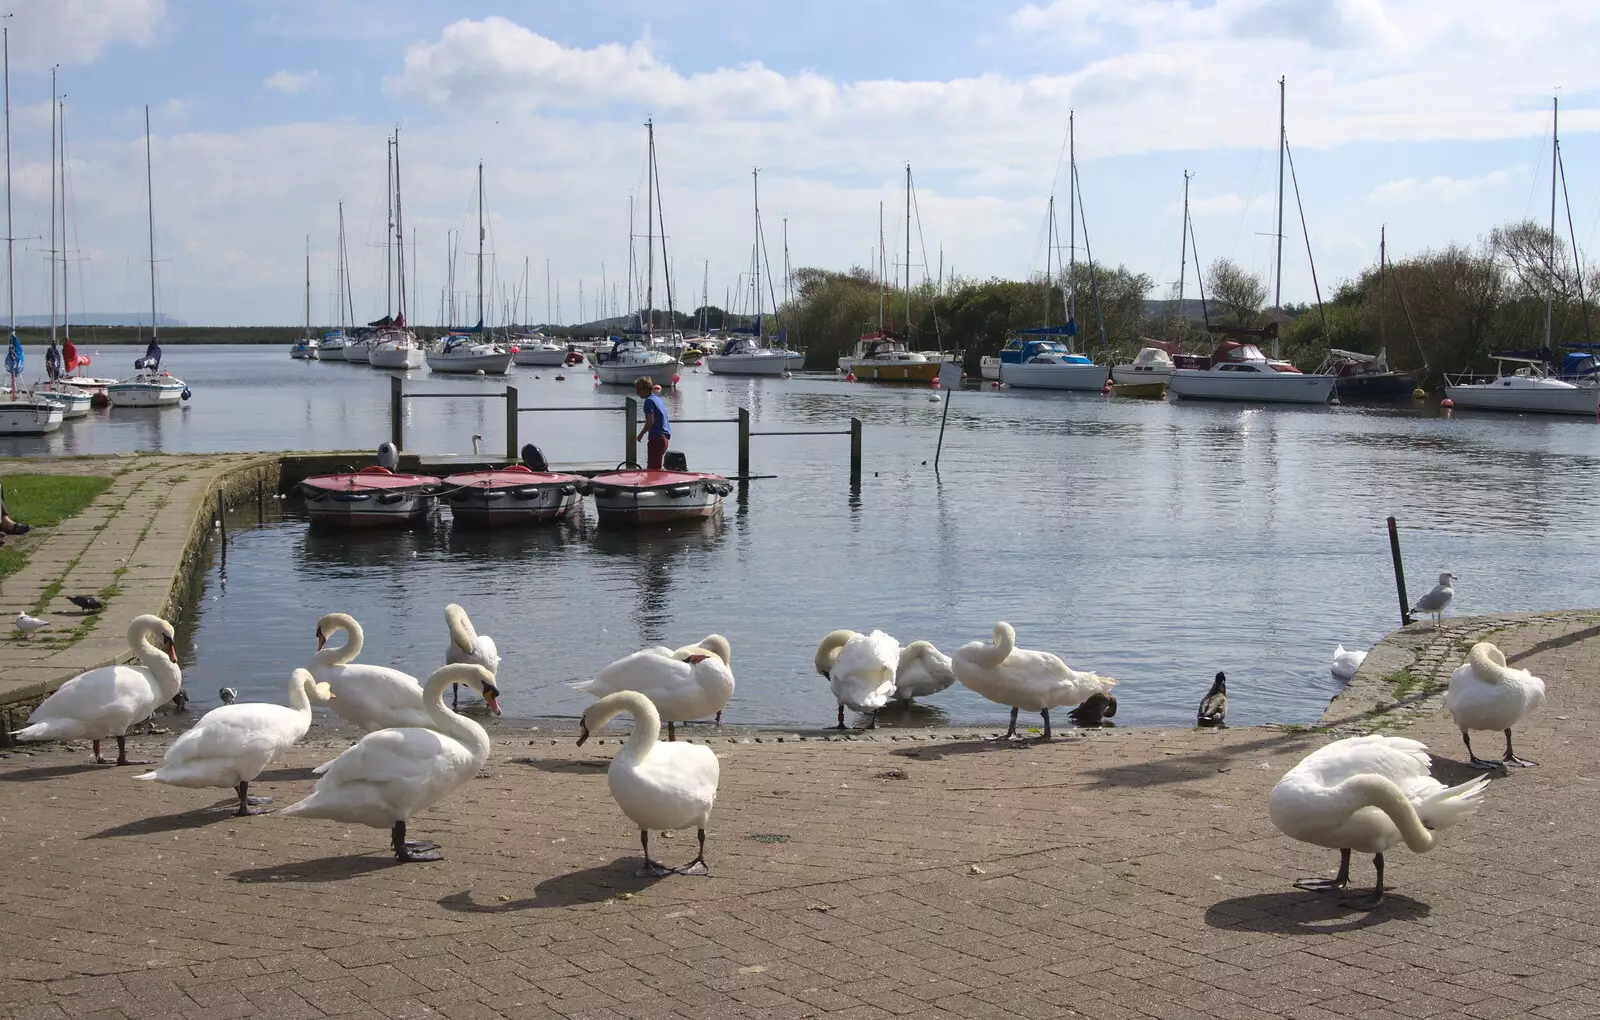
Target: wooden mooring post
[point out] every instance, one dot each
(630, 416)
(396, 413)
(511, 423)
(1399, 574)
(855, 451)
(744, 445)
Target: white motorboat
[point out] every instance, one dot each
(657, 497)
(1028, 363)
(540, 351)
(1530, 388)
(395, 347)
(1145, 376)
(331, 347)
(519, 494)
(75, 403)
(989, 367)
(632, 357)
(371, 497)
(1239, 371)
(149, 386)
(28, 415)
(468, 353)
(305, 350)
(880, 356)
(742, 355)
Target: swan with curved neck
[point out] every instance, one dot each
(390, 774)
(923, 671)
(230, 746)
(1486, 694)
(661, 786)
(372, 697)
(467, 645)
(1022, 678)
(1368, 794)
(105, 702)
(861, 670)
(691, 682)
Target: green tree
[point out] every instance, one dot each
(1237, 294)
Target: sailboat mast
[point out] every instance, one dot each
(705, 297)
(66, 308)
(150, 218)
(308, 286)
(399, 235)
(11, 276)
(526, 322)
(1183, 250)
(388, 235)
(348, 313)
(649, 232)
(53, 102)
(882, 270)
(1550, 295)
(480, 242)
(1277, 274)
(908, 255)
(755, 186)
(1049, 242)
(1072, 229)
(1383, 286)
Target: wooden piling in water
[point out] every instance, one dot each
(744, 445)
(630, 418)
(1399, 574)
(396, 413)
(855, 451)
(511, 423)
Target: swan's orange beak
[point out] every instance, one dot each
(321, 641)
(691, 660)
(493, 703)
(172, 650)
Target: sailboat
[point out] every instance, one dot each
(306, 348)
(468, 350)
(533, 347)
(631, 357)
(1147, 374)
(74, 400)
(1239, 371)
(882, 355)
(149, 386)
(1532, 387)
(1361, 376)
(743, 352)
(394, 345)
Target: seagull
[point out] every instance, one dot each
(1435, 601)
(228, 695)
(30, 624)
(87, 603)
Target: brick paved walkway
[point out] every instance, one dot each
(1110, 874)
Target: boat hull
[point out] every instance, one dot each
(1375, 386)
(1083, 378)
(1146, 383)
(624, 375)
(636, 498)
(774, 363)
(470, 364)
(989, 368)
(75, 403)
(368, 510)
(1579, 400)
(395, 357)
(145, 394)
(894, 371)
(497, 498)
(299, 353)
(539, 358)
(359, 354)
(30, 417)
(1251, 387)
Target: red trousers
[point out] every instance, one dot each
(657, 450)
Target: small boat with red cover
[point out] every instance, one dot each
(518, 494)
(631, 495)
(371, 497)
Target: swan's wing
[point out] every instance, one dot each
(387, 755)
(646, 672)
(236, 731)
(1399, 759)
(866, 654)
(375, 695)
(107, 698)
(488, 653)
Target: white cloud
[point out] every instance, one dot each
(1439, 188)
(288, 82)
(74, 32)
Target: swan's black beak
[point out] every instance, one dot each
(321, 640)
(583, 733)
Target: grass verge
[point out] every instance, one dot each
(44, 501)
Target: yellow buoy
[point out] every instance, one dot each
(1419, 393)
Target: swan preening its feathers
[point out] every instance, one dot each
(661, 786)
(1346, 662)
(1213, 710)
(923, 672)
(105, 702)
(1368, 794)
(467, 645)
(1023, 679)
(691, 682)
(860, 669)
(390, 774)
(372, 697)
(231, 745)
(1486, 694)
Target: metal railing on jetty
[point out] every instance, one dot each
(629, 410)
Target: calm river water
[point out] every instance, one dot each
(1155, 542)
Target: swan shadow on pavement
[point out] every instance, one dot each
(26, 775)
(567, 766)
(194, 818)
(955, 748)
(287, 775)
(1298, 912)
(591, 885)
(320, 869)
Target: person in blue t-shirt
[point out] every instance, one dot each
(656, 425)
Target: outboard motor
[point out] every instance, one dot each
(674, 460)
(388, 456)
(533, 459)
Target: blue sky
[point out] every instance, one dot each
(1429, 116)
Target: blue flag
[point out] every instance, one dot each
(14, 356)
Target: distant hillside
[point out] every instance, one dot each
(104, 319)
(1158, 310)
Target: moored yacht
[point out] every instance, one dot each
(1146, 375)
(1028, 361)
(1239, 371)
(743, 355)
(881, 356)
(631, 357)
(1531, 388)
(395, 347)
(468, 352)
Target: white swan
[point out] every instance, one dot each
(923, 671)
(231, 745)
(1213, 710)
(106, 701)
(691, 682)
(467, 645)
(1368, 794)
(1346, 662)
(391, 774)
(1434, 602)
(860, 669)
(1023, 679)
(372, 697)
(658, 786)
(1486, 694)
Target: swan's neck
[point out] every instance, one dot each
(646, 724)
(828, 651)
(340, 654)
(1005, 642)
(461, 632)
(1382, 793)
(1489, 663)
(168, 677)
(458, 727)
(300, 695)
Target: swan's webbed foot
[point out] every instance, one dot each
(1511, 756)
(1365, 902)
(246, 802)
(841, 725)
(420, 845)
(1011, 731)
(409, 850)
(653, 869)
(1046, 715)
(245, 811)
(122, 754)
(406, 855)
(695, 867)
(1483, 763)
(1338, 881)
(99, 759)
